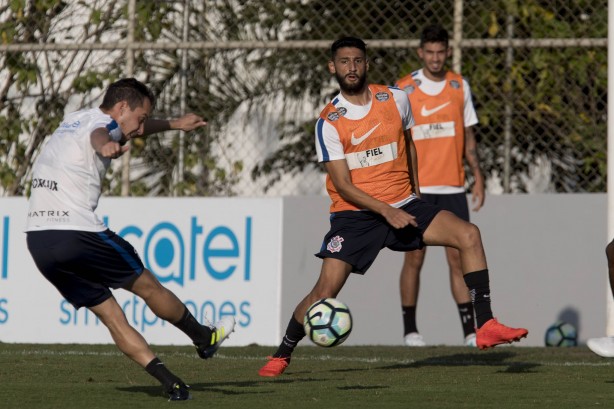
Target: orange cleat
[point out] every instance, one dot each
(493, 333)
(275, 366)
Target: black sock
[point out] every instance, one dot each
(294, 333)
(157, 369)
(465, 311)
(199, 334)
(479, 288)
(409, 319)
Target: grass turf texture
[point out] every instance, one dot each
(98, 376)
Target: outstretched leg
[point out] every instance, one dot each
(134, 346)
(446, 229)
(166, 305)
(461, 295)
(333, 276)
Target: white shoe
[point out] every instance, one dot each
(413, 339)
(221, 331)
(602, 346)
(470, 340)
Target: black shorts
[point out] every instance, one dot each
(357, 237)
(84, 265)
(454, 202)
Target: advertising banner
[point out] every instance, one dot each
(219, 256)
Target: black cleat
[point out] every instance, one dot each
(179, 391)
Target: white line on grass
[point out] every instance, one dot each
(371, 360)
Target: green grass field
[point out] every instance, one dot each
(98, 376)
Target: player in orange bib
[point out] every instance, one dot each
(363, 139)
(443, 110)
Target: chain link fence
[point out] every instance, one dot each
(256, 70)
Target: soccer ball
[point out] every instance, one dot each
(561, 334)
(328, 322)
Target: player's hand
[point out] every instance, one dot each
(113, 150)
(399, 218)
(188, 122)
(477, 194)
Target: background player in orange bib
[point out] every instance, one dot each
(444, 114)
(363, 140)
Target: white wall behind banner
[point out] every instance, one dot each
(220, 256)
(254, 258)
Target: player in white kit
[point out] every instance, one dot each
(78, 254)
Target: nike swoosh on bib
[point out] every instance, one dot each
(427, 112)
(356, 141)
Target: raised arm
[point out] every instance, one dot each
(187, 123)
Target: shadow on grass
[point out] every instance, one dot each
(471, 359)
(215, 387)
(198, 387)
(154, 391)
(361, 388)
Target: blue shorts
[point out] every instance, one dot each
(453, 202)
(357, 237)
(84, 265)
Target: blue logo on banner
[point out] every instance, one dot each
(4, 256)
(4, 266)
(167, 249)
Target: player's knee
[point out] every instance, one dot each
(412, 263)
(609, 252)
(471, 236)
(323, 293)
(145, 284)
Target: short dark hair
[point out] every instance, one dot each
(434, 34)
(353, 42)
(130, 90)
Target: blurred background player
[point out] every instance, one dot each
(78, 254)
(443, 111)
(605, 346)
(363, 140)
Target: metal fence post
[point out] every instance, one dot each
(125, 191)
(508, 112)
(183, 89)
(457, 36)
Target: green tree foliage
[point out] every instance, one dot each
(57, 81)
(557, 96)
(36, 79)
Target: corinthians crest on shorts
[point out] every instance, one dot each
(334, 245)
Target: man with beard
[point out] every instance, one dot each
(363, 138)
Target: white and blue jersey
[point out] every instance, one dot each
(67, 176)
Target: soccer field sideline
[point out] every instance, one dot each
(325, 357)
